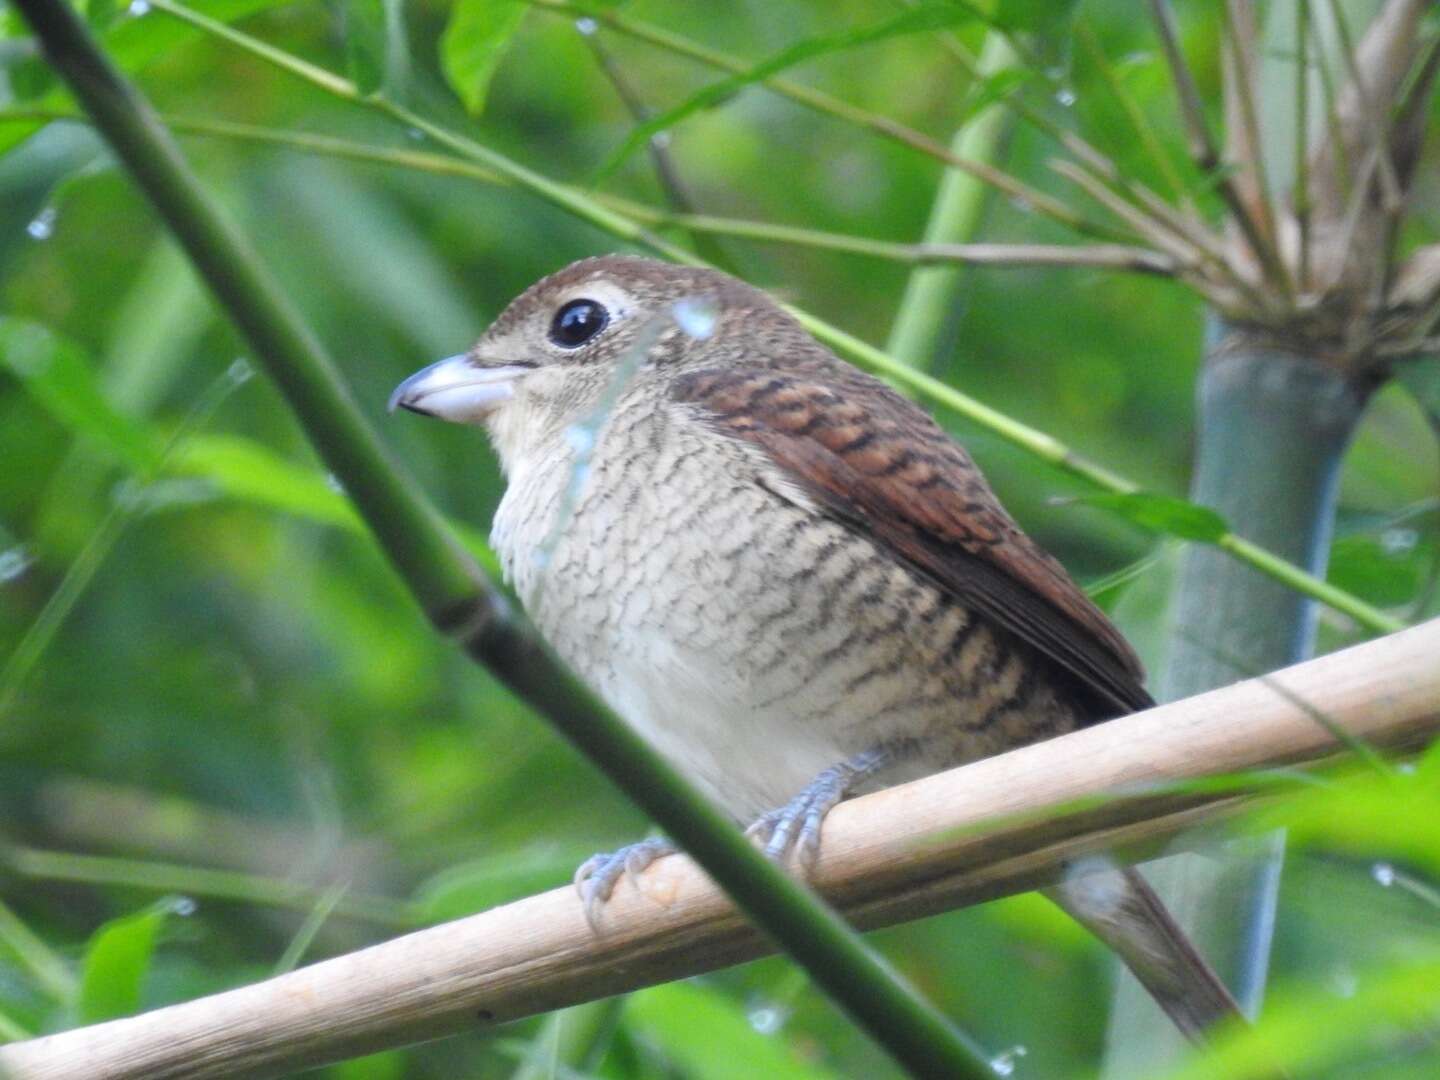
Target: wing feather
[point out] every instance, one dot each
(880, 465)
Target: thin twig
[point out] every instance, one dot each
(1300, 196)
(1095, 256)
(658, 145)
(1183, 223)
(1139, 122)
(1240, 35)
(1202, 144)
(1024, 195)
(1373, 121)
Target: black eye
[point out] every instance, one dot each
(577, 322)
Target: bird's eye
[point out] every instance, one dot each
(577, 322)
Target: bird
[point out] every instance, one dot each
(784, 574)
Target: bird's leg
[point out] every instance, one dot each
(792, 827)
(597, 876)
(796, 825)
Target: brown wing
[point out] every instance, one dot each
(882, 466)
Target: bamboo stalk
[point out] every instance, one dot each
(997, 826)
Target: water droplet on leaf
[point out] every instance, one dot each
(765, 1020)
(42, 226)
(1004, 1062)
(14, 562)
(240, 371)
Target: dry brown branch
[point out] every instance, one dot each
(1203, 148)
(1244, 143)
(995, 827)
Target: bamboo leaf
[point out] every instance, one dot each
(1370, 815)
(473, 44)
(1387, 570)
(1422, 378)
(1310, 1027)
(374, 45)
(246, 470)
(688, 1021)
(132, 43)
(1163, 514)
(58, 376)
(914, 21)
(117, 960)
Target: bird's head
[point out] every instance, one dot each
(573, 342)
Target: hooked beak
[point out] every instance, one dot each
(455, 389)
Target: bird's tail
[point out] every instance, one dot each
(1119, 907)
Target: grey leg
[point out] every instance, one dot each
(596, 876)
(796, 825)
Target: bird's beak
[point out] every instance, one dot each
(457, 390)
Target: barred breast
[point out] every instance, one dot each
(753, 639)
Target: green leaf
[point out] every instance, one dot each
(1422, 378)
(117, 959)
(1044, 18)
(1308, 1027)
(996, 87)
(1395, 816)
(132, 42)
(58, 376)
(473, 43)
(250, 472)
(374, 45)
(707, 1035)
(916, 20)
(1386, 571)
(246, 470)
(1163, 514)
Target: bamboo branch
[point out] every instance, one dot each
(1122, 257)
(1023, 194)
(1252, 183)
(1300, 194)
(1202, 143)
(995, 827)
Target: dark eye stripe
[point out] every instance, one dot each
(577, 322)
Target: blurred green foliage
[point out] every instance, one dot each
(204, 666)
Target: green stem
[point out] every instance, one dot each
(1029, 197)
(1100, 256)
(233, 885)
(925, 323)
(452, 590)
(1273, 428)
(46, 968)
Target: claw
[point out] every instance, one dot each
(795, 827)
(597, 876)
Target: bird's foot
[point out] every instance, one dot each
(597, 876)
(795, 827)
